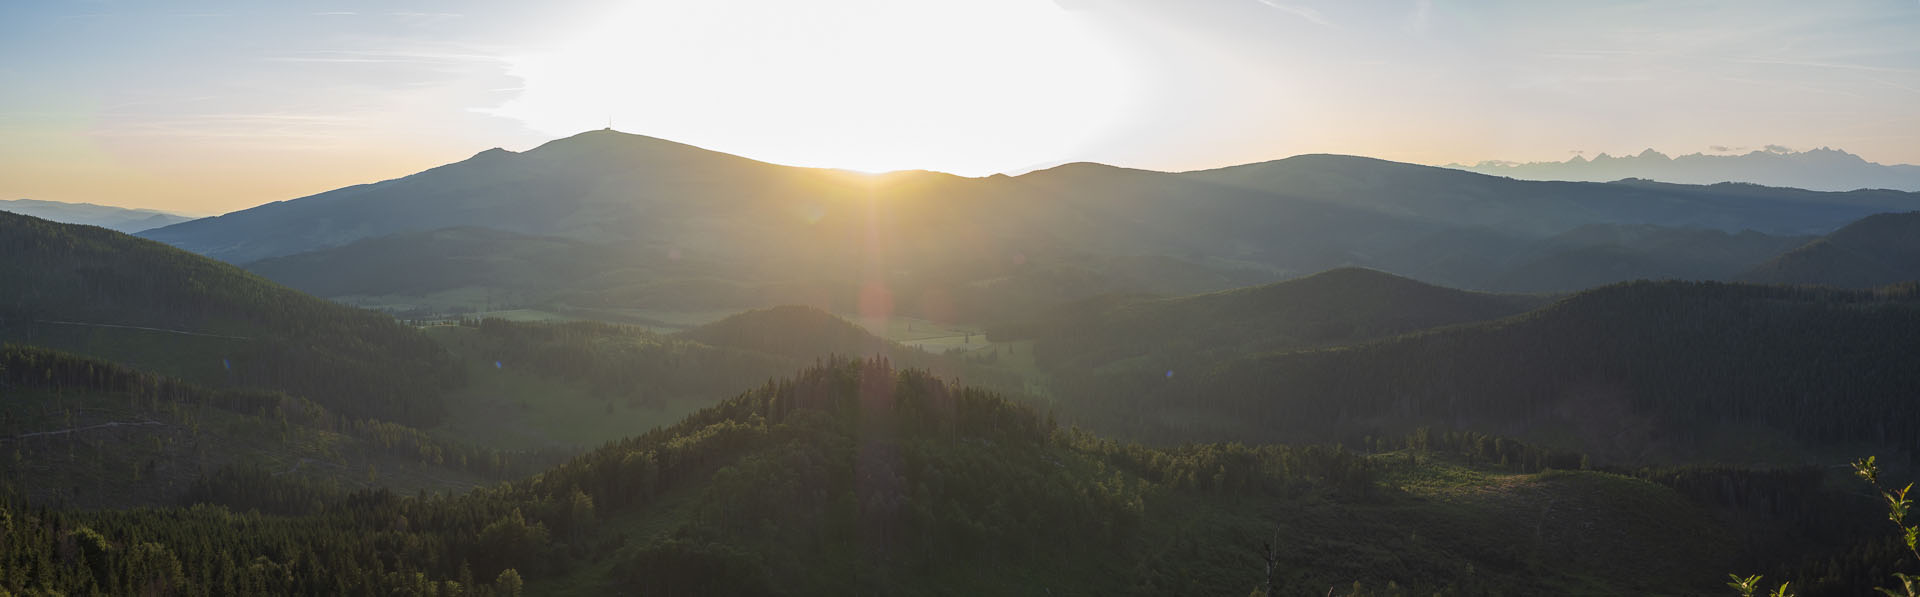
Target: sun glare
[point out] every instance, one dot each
(864, 85)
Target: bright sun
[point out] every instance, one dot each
(971, 88)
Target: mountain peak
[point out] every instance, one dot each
(1650, 154)
(491, 154)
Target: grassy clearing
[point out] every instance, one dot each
(506, 407)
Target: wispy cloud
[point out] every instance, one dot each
(1304, 12)
(1816, 64)
(425, 15)
(382, 57)
(1421, 18)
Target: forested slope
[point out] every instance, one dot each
(102, 293)
(1877, 250)
(854, 478)
(1638, 372)
(81, 432)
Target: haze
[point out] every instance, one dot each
(208, 107)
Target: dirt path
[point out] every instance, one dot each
(86, 428)
(135, 327)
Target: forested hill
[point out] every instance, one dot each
(853, 478)
(792, 331)
(1639, 371)
(106, 294)
(1341, 306)
(1878, 250)
(84, 433)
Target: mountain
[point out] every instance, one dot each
(105, 294)
(1543, 208)
(1878, 250)
(112, 218)
(1644, 372)
(680, 227)
(1819, 169)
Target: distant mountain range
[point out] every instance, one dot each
(1820, 169)
(112, 218)
(610, 220)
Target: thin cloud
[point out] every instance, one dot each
(1817, 64)
(381, 57)
(1421, 18)
(1304, 12)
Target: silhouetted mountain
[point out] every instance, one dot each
(112, 218)
(1820, 169)
(683, 226)
(1541, 208)
(101, 293)
(1878, 250)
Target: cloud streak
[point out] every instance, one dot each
(1304, 12)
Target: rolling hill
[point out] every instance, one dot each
(101, 293)
(1876, 251)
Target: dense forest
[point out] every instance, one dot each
(94, 291)
(1878, 250)
(852, 477)
(1637, 372)
(84, 432)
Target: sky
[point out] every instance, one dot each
(209, 107)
